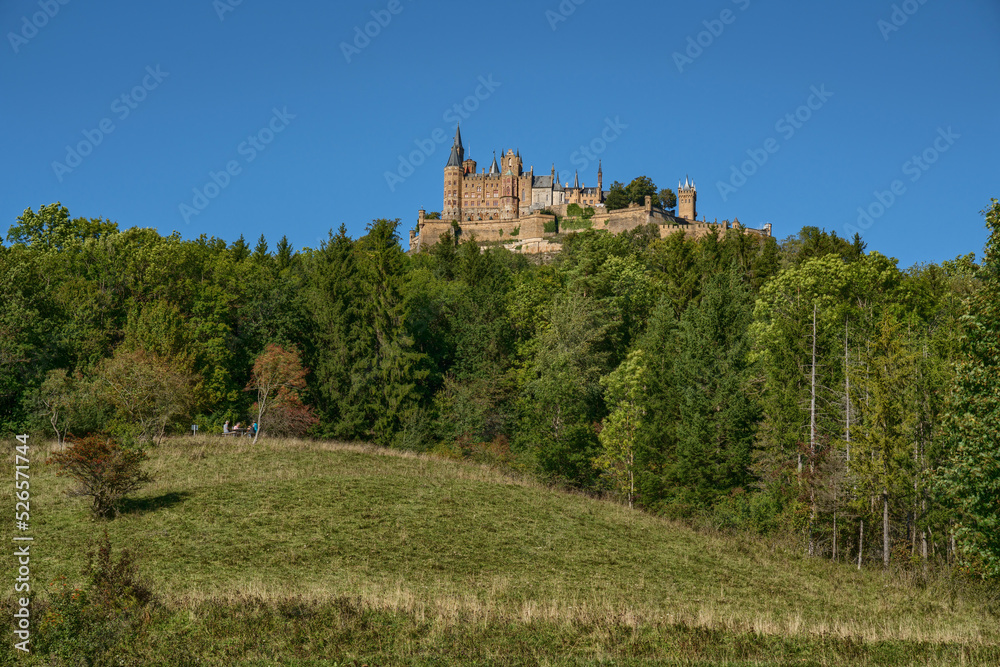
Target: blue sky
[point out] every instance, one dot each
(218, 118)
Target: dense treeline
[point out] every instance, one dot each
(807, 385)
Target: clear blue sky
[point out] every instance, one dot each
(201, 77)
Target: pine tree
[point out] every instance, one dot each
(718, 417)
(387, 368)
(333, 303)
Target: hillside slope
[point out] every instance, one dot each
(395, 558)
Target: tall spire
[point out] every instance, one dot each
(576, 180)
(599, 172)
(494, 168)
(457, 152)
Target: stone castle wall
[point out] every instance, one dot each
(529, 227)
(528, 234)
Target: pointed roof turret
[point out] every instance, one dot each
(494, 168)
(457, 152)
(576, 181)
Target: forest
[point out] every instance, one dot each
(807, 385)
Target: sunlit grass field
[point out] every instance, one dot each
(310, 553)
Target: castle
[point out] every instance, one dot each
(520, 210)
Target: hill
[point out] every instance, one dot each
(294, 552)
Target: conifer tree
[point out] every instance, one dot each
(387, 368)
(718, 417)
(333, 302)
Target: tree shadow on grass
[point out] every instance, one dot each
(144, 505)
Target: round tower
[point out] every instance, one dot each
(453, 178)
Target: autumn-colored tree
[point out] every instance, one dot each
(278, 376)
(106, 471)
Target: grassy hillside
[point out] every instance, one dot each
(320, 553)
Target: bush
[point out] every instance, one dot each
(754, 512)
(574, 211)
(575, 224)
(106, 471)
(106, 618)
(552, 227)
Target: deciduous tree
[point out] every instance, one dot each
(148, 392)
(277, 378)
(106, 471)
(624, 393)
(971, 475)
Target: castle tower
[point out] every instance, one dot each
(510, 196)
(600, 183)
(687, 196)
(453, 176)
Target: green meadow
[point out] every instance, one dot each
(320, 553)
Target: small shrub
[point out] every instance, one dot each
(574, 211)
(106, 471)
(753, 512)
(552, 227)
(515, 231)
(105, 618)
(575, 224)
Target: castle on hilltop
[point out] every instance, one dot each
(522, 211)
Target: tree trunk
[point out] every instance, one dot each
(923, 549)
(812, 441)
(847, 395)
(835, 534)
(885, 528)
(631, 478)
(861, 541)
